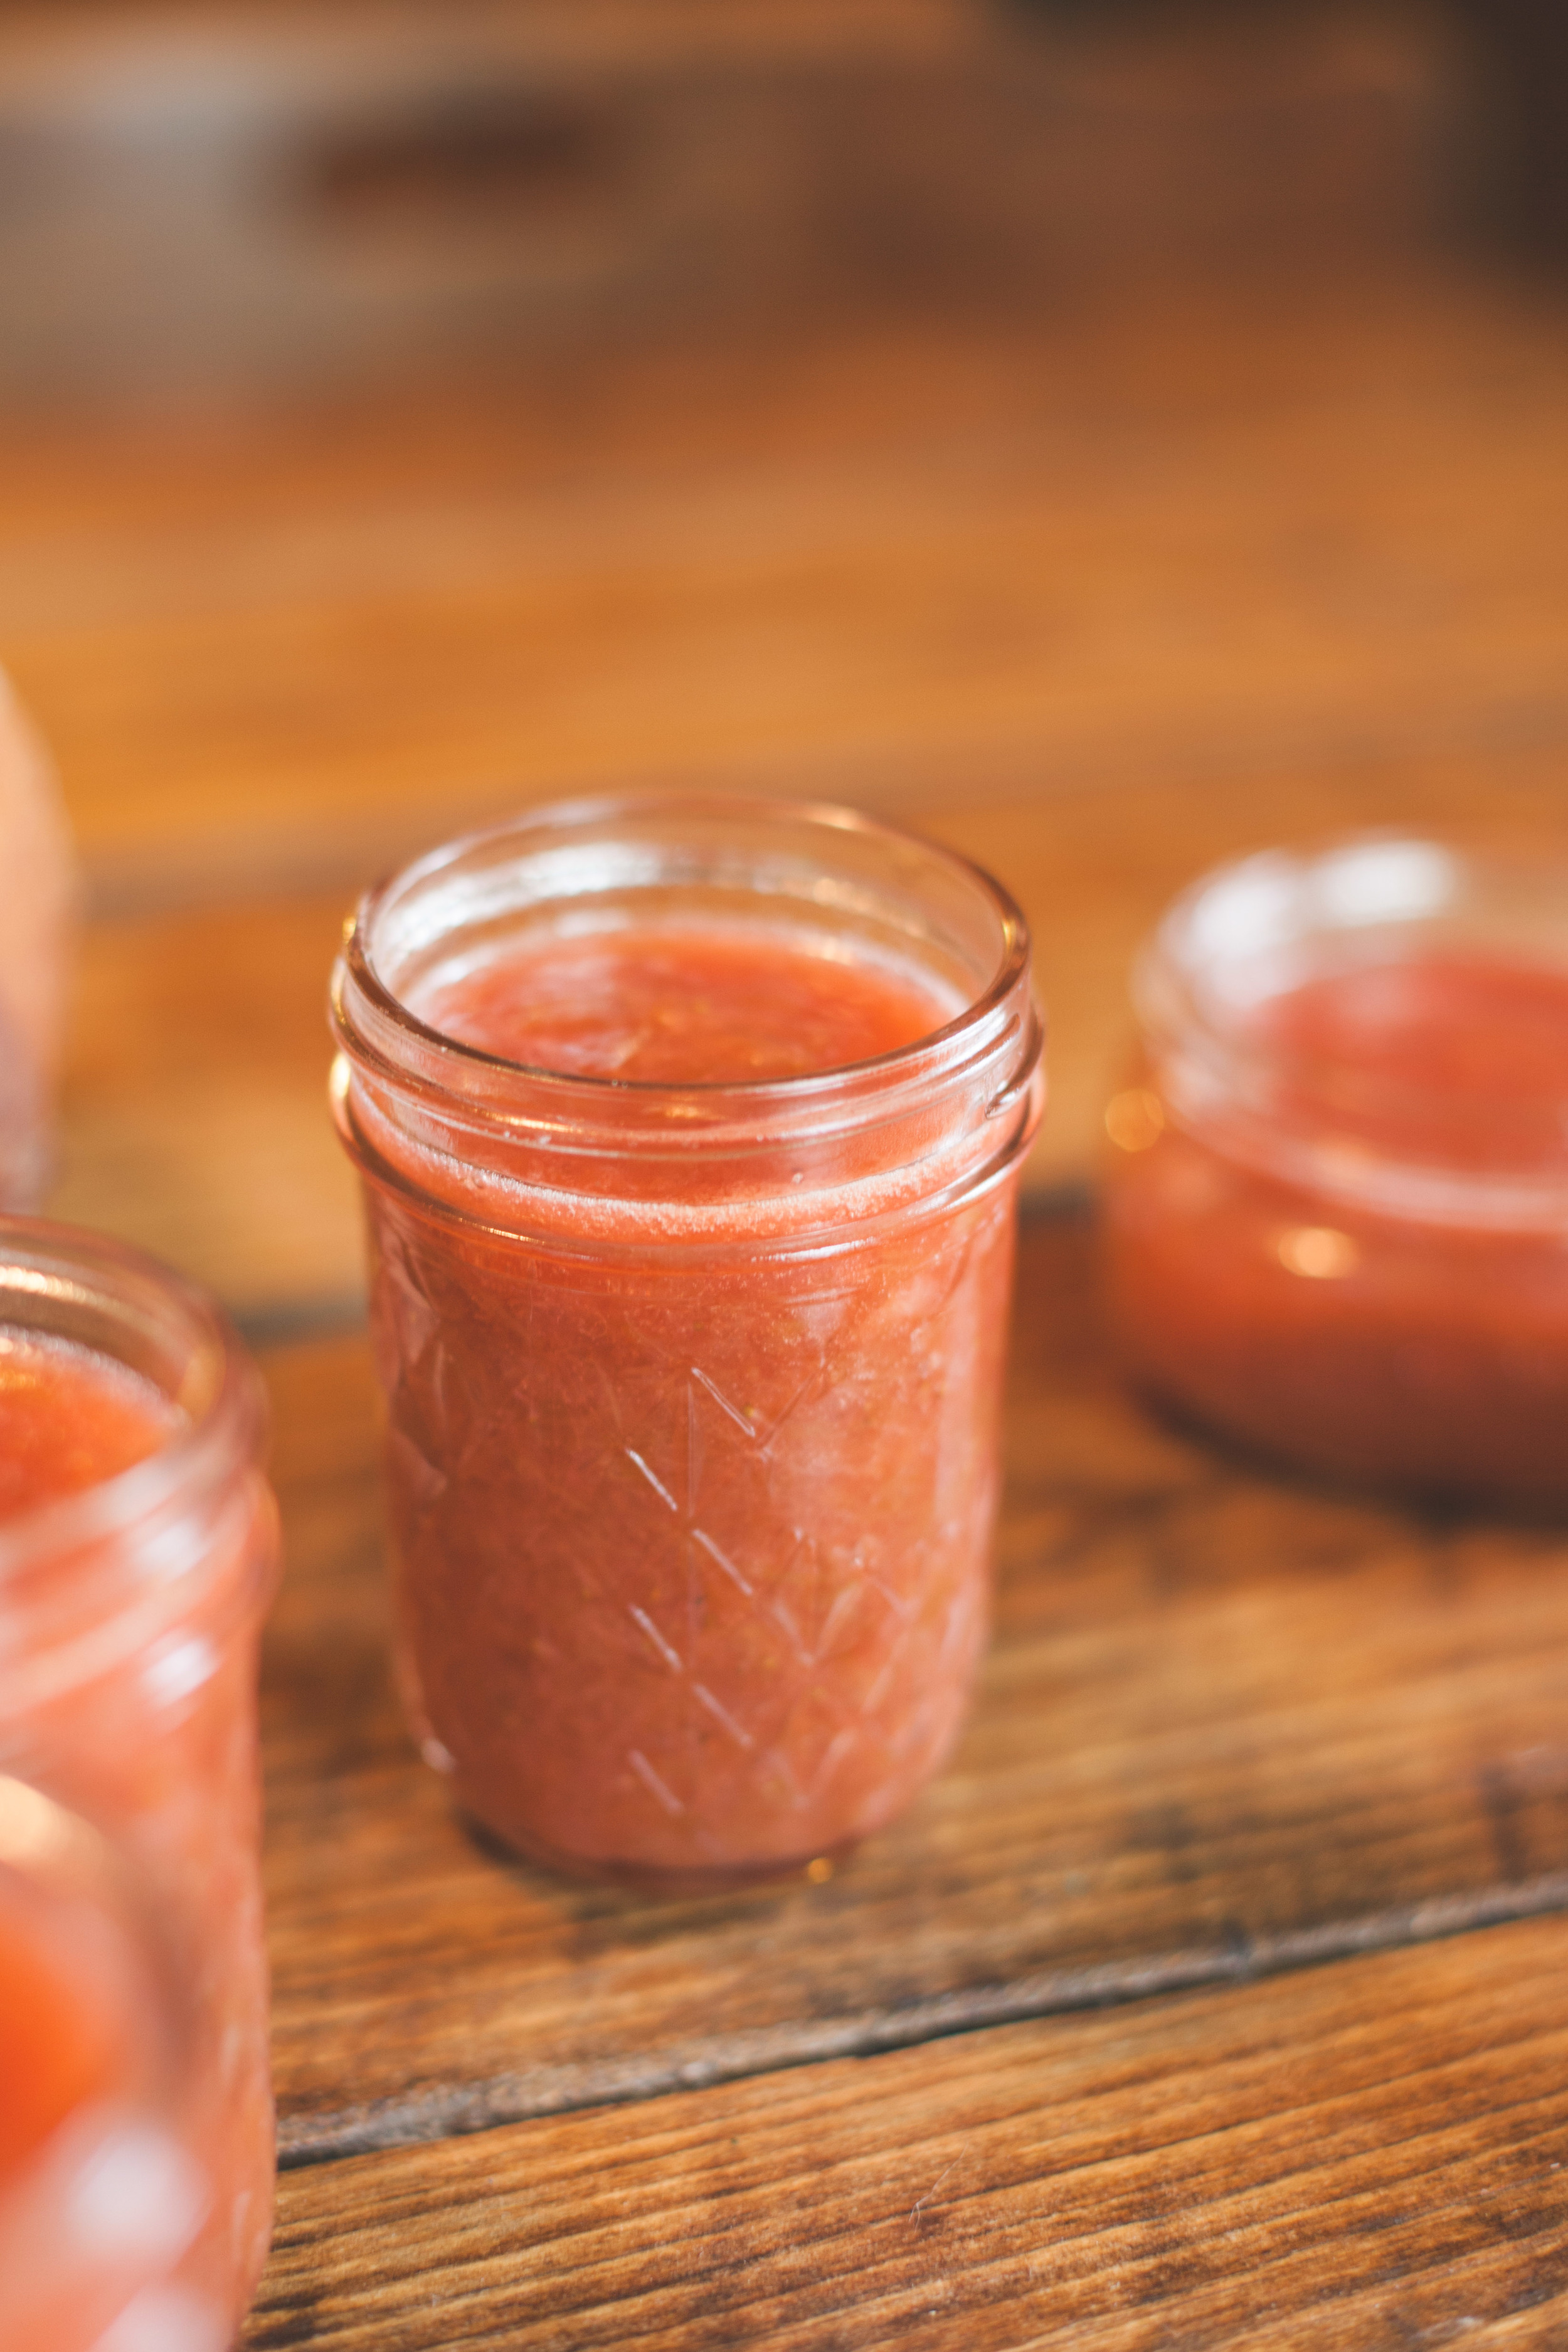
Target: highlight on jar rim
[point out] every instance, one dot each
(1338, 1182)
(690, 1293)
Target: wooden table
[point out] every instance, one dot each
(1218, 1995)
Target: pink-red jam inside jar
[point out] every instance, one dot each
(687, 1007)
(70, 1418)
(1337, 1200)
(138, 1546)
(690, 1134)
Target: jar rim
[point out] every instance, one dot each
(90, 1277)
(357, 963)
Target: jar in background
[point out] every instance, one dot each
(130, 1613)
(694, 1389)
(1337, 1206)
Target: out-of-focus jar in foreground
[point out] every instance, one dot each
(101, 2192)
(1337, 1202)
(691, 1133)
(138, 1549)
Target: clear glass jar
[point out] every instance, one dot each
(101, 2193)
(1337, 1206)
(130, 1614)
(694, 1391)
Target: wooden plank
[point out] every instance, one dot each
(1372, 2155)
(1230, 543)
(193, 1108)
(1229, 1726)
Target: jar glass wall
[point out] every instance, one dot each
(130, 1613)
(1337, 1205)
(694, 1390)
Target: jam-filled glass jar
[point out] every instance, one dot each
(691, 1132)
(138, 1547)
(1337, 1204)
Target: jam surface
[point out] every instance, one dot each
(1467, 1029)
(1424, 1351)
(1455, 1060)
(70, 1418)
(682, 1008)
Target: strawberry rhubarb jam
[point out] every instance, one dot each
(685, 1008)
(690, 1134)
(137, 1547)
(1338, 1215)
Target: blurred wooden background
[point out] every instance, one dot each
(241, 194)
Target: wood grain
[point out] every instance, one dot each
(1229, 1726)
(1233, 543)
(1369, 2156)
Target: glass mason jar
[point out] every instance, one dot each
(130, 1614)
(693, 1390)
(101, 2194)
(1337, 1205)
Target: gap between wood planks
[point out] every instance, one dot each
(448, 2114)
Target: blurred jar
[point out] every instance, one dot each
(694, 1387)
(101, 2194)
(1338, 1193)
(129, 1613)
(37, 897)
